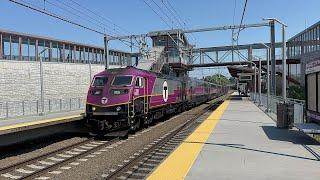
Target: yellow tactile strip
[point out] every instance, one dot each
(21, 126)
(178, 164)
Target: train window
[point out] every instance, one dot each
(99, 81)
(122, 81)
(139, 82)
(312, 93)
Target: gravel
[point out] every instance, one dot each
(101, 164)
(30, 150)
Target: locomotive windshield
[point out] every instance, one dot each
(122, 81)
(99, 81)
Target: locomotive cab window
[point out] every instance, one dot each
(99, 81)
(122, 81)
(139, 82)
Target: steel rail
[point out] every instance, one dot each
(71, 159)
(28, 161)
(121, 170)
(39, 172)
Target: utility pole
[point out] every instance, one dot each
(284, 63)
(41, 82)
(232, 45)
(259, 78)
(106, 51)
(255, 82)
(273, 58)
(268, 74)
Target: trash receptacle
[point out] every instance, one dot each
(290, 115)
(282, 115)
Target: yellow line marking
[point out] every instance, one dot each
(20, 125)
(179, 162)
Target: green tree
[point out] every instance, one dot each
(217, 79)
(295, 92)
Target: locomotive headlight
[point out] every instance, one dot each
(119, 91)
(116, 92)
(118, 108)
(97, 92)
(93, 108)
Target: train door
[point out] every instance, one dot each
(139, 94)
(183, 91)
(146, 96)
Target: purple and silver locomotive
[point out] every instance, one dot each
(126, 98)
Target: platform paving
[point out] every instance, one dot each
(37, 118)
(245, 144)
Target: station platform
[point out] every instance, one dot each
(239, 141)
(17, 124)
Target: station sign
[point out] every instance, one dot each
(313, 66)
(245, 76)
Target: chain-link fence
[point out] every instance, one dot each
(298, 105)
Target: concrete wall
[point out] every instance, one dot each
(20, 80)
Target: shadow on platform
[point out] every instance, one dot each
(241, 146)
(296, 137)
(235, 98)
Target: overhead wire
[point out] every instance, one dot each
(240, 55)
(78, 15)
(27, 5)
(243, 13)
(53, 15)
(97, 23)
(163, 12)
(162, 19)
(101, 24)
(101, 17)
(176, 15)
(118, 30)
(87, 16)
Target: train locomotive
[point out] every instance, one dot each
(127, 98)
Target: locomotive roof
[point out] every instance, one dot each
(119, 70)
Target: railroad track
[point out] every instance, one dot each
(49, 162)
(145, 160)
(139, 164)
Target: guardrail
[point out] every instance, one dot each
(26, 108)
(298, 105)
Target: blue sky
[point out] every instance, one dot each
(136, 17)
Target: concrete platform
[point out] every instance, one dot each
(243, 143)
(30, 122)
(22, 129)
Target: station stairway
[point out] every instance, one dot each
(290, 79)
(153, 60)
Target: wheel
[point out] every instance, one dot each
(183, 108)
